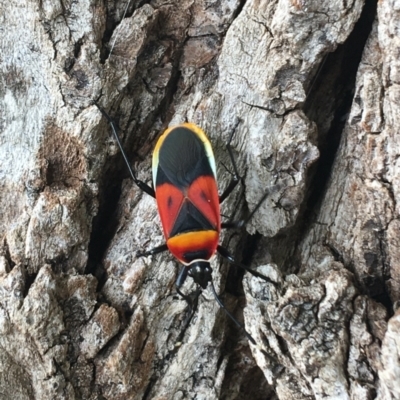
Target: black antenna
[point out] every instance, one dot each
(317, 75)
(115, 39)
(237, 323)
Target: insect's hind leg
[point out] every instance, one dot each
(235, 175)
(142, 185)
(243, 222)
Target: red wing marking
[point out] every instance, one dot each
(169, 201)
(203, 193)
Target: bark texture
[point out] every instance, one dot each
(311, 89)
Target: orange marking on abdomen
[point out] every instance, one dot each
(204, 242)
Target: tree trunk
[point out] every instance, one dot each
(310, 90)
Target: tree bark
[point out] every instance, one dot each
(311, 91)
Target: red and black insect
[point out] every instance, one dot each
(185, 188)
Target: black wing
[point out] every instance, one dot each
(182, 158)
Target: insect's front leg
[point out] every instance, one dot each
(151, 252)
(191, 300)
(228, 256)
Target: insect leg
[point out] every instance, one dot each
(151, 252)
(237, 323)
(192, 308)
(228, 256)
(235, 176)
(142, 185)
(178, 284)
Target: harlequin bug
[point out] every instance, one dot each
(185, 188)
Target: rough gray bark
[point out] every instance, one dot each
(81, 317)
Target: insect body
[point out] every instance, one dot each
(184, 177)
(185, 188)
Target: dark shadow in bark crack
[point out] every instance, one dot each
(329, 101)
(328, 104)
